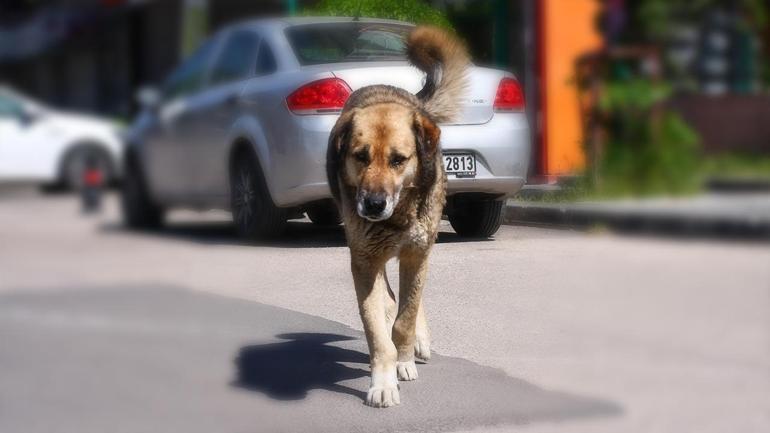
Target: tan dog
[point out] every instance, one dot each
(386, 175)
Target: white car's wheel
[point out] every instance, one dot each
(254, 213)
(81, 157)
(475, 218)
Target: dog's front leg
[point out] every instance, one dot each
(413, 270)
(391, 306)
(421, 334)
(371, 291)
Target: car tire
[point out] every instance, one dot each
(138, 208)
(324, 214)
(254, 214)
(75, 162)
(475, 217)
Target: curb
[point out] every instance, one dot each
(673, 223)
(738, 185)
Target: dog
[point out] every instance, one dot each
(387, 178)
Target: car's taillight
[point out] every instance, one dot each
(323, 96)
(510, 96)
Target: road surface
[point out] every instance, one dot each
(189, 329)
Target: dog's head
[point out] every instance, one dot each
(379, 150)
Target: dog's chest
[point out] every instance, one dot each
(420, 234)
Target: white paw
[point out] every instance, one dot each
(383, 392)
(406, 370)
(422, 347)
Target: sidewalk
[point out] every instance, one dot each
(744, 215)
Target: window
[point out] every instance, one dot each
(10, 108)
(236, 60)
(315, 44)
(188, 77)
(266, 60)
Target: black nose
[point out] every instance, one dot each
(374, 204)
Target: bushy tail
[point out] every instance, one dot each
(444, 58)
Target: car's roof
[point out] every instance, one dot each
(282, 22)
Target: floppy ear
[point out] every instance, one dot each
(336, 150)
(427, 135)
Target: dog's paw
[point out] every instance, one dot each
(422, 347)
(384, 390)
(406, 370)
(383, 396)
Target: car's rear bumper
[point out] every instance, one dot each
(501, 146)
(498, 186)
(502, 186)
(502, 149)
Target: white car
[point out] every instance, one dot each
(42, 145)
(244, 123)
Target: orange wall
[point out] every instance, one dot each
(568, 31)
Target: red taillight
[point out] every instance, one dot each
(509, 96)
(322, 96)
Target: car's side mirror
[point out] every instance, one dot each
(148, 97)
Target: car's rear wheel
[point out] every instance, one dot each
(475, 217)
(254, 213)
(78, 160)
(324, 213)
(139, 210)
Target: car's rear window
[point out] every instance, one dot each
(316, 44)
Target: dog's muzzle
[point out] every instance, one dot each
(374, 206)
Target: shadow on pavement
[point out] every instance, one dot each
(289, 369)
(450, 391)
(158, 358)
(299, 234)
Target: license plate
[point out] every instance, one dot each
(460, 164)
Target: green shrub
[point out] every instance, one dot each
(416, 11)
(649, 149)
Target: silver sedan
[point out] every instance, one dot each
(243, 125)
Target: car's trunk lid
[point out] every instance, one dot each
(476, 104)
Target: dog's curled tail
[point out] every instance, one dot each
(444, 58)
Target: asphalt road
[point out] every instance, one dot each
(188, 329)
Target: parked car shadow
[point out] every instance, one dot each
(299, 234)
(289, 369)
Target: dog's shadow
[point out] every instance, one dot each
(287, 370)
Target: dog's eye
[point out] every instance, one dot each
(397, 160)
(362, 157)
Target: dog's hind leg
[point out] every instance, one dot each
(371, 290)
(413, 270)
(421, 334)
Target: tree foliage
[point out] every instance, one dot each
(658, 16)
(416, 11)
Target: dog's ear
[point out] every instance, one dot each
(339, 140)
(427, 135)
